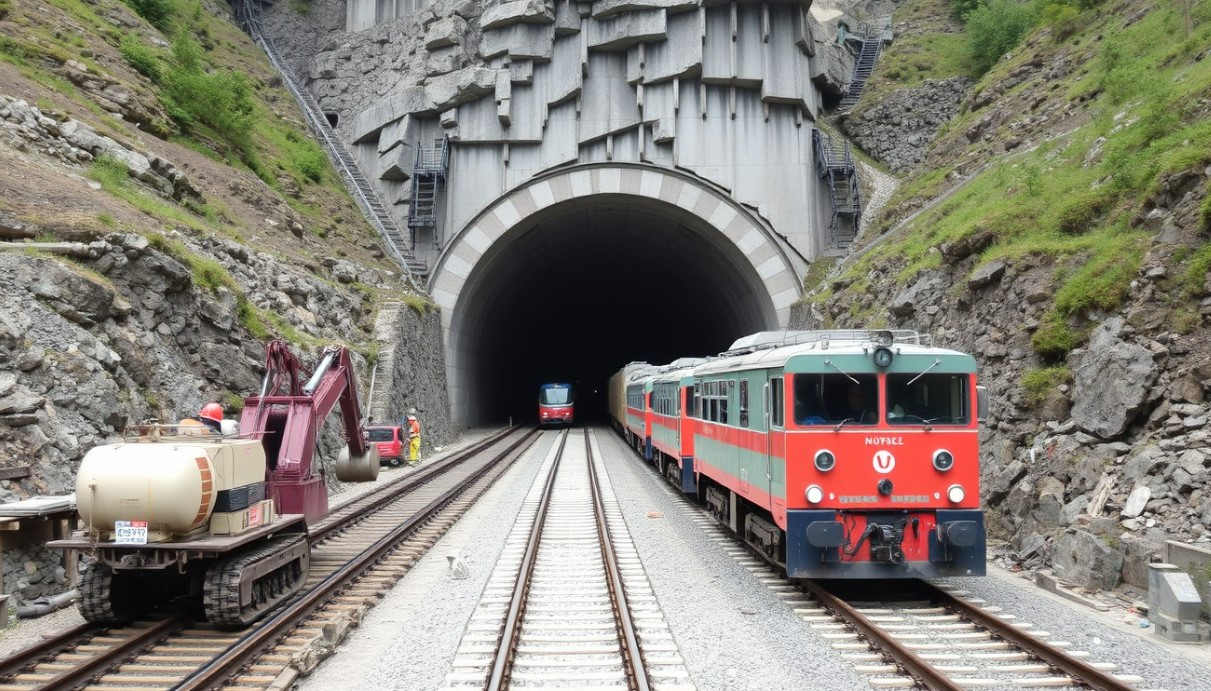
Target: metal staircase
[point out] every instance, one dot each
(362, 190)
(835, 164)
(872, 45)
(428, 178)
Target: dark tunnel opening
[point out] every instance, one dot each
(577, 292)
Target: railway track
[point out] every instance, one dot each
(924, 637)
(358, 552)
(568, 604)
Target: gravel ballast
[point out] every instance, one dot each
(733, 632)
(1162, 664)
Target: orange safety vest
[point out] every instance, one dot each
(413, 428)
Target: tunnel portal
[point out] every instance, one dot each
(572, 277)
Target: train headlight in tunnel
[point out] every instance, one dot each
(943, 460)
(814, 494)
(825, 460)
(955, 494)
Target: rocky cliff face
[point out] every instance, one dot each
(1090, 468)
(125, 303)
(899, 129)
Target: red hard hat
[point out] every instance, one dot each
(212, 411)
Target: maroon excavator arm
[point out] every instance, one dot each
(288, 415)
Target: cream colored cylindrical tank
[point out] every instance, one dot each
(171, 486)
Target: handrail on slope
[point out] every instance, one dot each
(250, 18)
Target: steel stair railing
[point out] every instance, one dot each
(872, 46)
(362, 190)
(835, 164)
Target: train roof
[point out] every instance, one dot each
(771, 349)
(677, 369)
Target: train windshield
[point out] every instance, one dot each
(928, 399)
(555, 395)
(822, 399)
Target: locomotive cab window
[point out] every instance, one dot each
(556, 395)
(822, 399)
(932, 399)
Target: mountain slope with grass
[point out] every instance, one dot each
(1058, 229)
(163, 213)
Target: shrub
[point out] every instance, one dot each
(221, 101)
(1054, 338)
(959, 9)
(141, 57)
(5, 7)
(158, 13)
(993, 29)
(1040, 382)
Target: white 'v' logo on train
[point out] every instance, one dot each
(884, 461)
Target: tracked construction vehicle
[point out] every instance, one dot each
(176, 511)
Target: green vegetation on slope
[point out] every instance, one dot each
(1076, 199)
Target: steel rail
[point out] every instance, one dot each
(1078, 669)
(355, 510)
(502, 665)
(912, 663)
(92, 668)
(27, 656)
(250, 645)
(358, 509)
(635, 668)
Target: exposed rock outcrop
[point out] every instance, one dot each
(898, 129)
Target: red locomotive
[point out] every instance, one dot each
(837, 454)
(556, 405)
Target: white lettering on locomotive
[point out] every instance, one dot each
(885, 441)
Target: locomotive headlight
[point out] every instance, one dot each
(883, 357)
(955, 494)
(814, 494)
(825, 460)
(943, 460)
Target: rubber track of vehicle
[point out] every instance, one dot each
(221, 591)
(96, 587)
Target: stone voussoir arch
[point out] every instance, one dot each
(753, 239)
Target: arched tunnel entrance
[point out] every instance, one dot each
(574, 290)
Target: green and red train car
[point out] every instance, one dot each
(837, 454)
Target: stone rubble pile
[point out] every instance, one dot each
(29, 129)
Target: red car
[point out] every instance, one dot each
(391, 443)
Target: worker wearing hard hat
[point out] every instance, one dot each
(211, 416)
(413, 439)
(210, 419)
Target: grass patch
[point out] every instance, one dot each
(1039, 383)
(233, 402)
(817, 271)
(1104, 281)
(419, 303)
(115, 179)
(1194, 278)
(299, 156)
(1054, 338)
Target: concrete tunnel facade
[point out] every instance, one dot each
(648, 250)
(625, 181)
